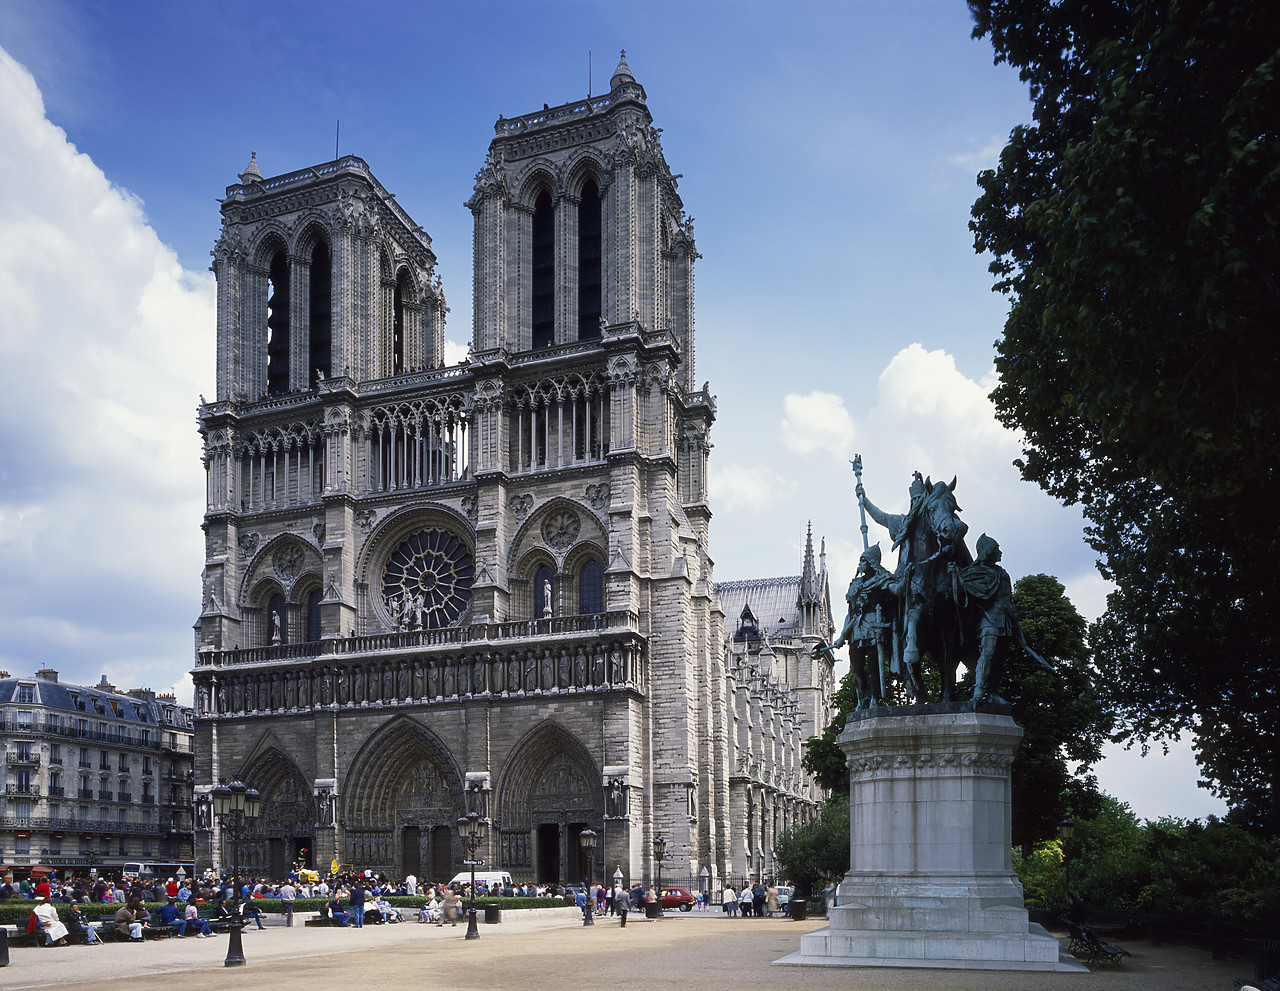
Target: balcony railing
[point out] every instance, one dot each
(57, 791)
(23, 757)
(476, 633)
(67, 824)
(31, 791)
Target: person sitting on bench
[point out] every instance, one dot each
(192, 920)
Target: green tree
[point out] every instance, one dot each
(821, 757)
(818, 849)
(1135, 226)
(1064, 723)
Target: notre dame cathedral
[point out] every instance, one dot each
(431, 589)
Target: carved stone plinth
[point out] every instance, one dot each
(931, 880)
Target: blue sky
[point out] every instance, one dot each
(828, 151)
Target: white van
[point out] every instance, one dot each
(494, 879)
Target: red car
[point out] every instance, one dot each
(678, 898)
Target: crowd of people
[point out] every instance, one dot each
(350, 899)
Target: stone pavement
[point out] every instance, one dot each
(683, 951)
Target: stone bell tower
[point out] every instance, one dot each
(434, 589)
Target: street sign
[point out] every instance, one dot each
(474, 863)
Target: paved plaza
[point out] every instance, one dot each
(685, 952)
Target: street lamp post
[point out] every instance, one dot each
(587, 839)
(236, 807)
(1067, 829)
(659, 853)
(471, 830)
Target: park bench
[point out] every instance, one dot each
(1099, 949)
(1109, 920)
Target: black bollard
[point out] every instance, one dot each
(4, 947)
(235, 948)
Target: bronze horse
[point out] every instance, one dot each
(930, 620)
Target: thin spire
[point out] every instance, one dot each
(809, 576)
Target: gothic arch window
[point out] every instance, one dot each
(321, 313)
(544, 271)
(544, 595)
(589, 258)
(314, 629)
(277, 620)
(591, 588)
(278, 324)
(400, 293)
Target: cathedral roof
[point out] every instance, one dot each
(773, 600)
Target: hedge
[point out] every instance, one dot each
(14, 911)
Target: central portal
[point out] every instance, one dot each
(548, 862)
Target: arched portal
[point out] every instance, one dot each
(286, 826)
(548, 794)
(403, 795)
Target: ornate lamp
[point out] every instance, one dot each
(587, 839)
(471, 830)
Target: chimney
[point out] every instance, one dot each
(47, 674)
(105, 686)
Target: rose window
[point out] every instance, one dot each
(427, 581)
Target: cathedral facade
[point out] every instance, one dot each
(431, 589)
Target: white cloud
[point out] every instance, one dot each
(982, 158)
(1088, 592)
(753, 488)
(455, 351)
(1159, 784)
(817, 422)
(101, 490)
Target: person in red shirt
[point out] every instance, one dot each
(171, 888)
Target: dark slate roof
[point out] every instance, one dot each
(773, 601)
(94, 702)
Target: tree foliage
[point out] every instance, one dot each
(817, 850)
(1167, 867)
(1135, 226)
(1063, 721)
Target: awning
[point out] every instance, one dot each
(44, 870)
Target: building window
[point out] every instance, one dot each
(589, 258)
(397, 323)
(278, 325)
(55, 845)
(591, 589)
(26, 694)
(22, 843)
(314, 629)
(544, 271)
(321, 323)
(84, 846)
(146, 847)
(22, 812)
(24, 721)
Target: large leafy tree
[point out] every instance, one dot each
(1064, 723)
(1135, 226)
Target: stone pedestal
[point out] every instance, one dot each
(931, 880)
